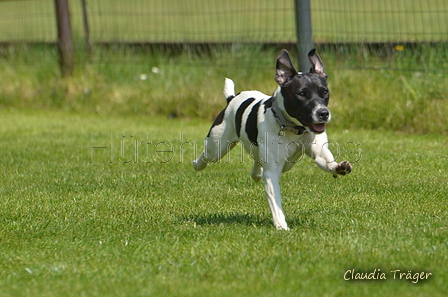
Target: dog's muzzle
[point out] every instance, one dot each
(321, 115)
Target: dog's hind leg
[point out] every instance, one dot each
(220, 140)
(212, 153)
(222, 137)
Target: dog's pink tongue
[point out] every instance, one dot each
(319, 127)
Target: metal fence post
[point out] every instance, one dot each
(65, 39)
(304, 33)
(86, 28)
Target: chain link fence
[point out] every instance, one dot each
(394, 31)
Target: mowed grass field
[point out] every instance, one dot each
(108, 205)
(98, 196)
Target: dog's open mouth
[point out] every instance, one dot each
(318, 128)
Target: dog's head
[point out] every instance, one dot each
(305, 95)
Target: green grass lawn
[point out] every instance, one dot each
(98, 196)
(78, 221)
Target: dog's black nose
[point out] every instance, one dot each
(323, 114)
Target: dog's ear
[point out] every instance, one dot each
(285, 71)
(318, 66)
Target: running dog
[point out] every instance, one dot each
(276, 130)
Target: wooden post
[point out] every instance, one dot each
(65, 39)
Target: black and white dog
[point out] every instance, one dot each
(276, 130)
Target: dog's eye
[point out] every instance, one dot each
(301, 94)
(325, 92)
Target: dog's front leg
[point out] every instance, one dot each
(319, 151)
(272, 188)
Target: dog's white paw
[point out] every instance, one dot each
(285, 227)
(280, 224)
(256, 175)
(343, 168)
(198, 165)
(256, 178)
(257, 172)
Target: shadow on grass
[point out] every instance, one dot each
(216, 219)
(227, 219)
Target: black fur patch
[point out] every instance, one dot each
(267, 104)
(239, 115)
(230, 98)
(218, 120)
(251, 124)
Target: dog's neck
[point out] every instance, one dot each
(282, 117)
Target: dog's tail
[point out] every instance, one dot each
(229, 89)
